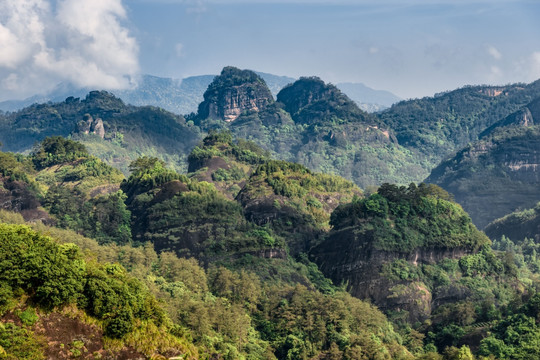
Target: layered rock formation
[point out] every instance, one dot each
(89, 125)
(345, 257)
(380, 247)
(232, 93)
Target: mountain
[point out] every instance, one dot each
(436, 127)
(368, 99)
(233, 307)
(312, 123)
(499, 173)
(216, 262)
(182, 96)
(397, 227)
(341, 138)
(232, 93)
(517, 226)
(124, 131)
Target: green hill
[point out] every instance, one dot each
(115, 132)
(436, 127)
(517, 226)
(499, 173)
(240, 305)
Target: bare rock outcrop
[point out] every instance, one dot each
(232, 93)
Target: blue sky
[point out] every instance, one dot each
(412, 48)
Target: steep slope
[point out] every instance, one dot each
(312, 102)
(293, 201)
(438, 126)
(233, 92)
(397, 227)
(288, 198)
(314, 124)
(191, 218)
(516, 226)
(508, 155)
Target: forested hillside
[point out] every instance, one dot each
(309, 122)
(259, 227)
(438, 126)
(246, 257)
(499, 173)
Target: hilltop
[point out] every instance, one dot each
(507, 155)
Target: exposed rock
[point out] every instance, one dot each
(89, 125)
(510, 158)
(345, 257)
(232, 93)
(98, 128)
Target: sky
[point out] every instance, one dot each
(412, 48)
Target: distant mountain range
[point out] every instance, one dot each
(182, 96)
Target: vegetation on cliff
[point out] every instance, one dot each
(508, 157)
(403, 219)
(224, 246)
(517, 226)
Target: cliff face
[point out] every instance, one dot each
(387, 248)
(509, 156)
(232, 93)
(346, 257)
(89, 125)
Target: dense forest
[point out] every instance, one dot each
(179, 264)
(260, 228)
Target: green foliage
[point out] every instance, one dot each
(55, 275)
(16, 167)
(147, 173)
(406, 218)
(438, 126)
(514, 338)
(19, 343)
(31, 262)
(400, 270)
(517, 225)
(105, 218)
(28, 317)
(57, 150)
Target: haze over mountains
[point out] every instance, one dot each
(182, 96)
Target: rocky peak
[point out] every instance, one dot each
(233, 92)
(306, 91)
(526, 117)
(89, 125)
(310, 101)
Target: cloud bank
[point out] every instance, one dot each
(82, 42)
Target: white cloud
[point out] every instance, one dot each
(496, 54)
(81, 41)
